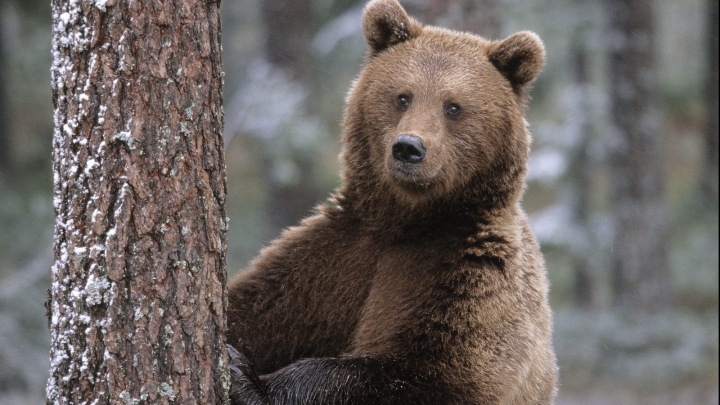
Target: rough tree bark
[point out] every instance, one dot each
(640, 248)
(138, 292)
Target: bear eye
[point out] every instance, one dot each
(403, 101)
(452, 110)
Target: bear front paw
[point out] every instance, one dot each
(246, 386)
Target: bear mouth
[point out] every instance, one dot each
(412, 176)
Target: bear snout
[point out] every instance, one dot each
(408, 149)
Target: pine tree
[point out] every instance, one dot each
(640, 248)
(138, 294)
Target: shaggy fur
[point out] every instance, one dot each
(419, 283)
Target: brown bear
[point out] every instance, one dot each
(420, 282)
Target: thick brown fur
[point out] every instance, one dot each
(419, 282)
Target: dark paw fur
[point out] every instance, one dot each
(247, 388)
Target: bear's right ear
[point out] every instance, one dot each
(519, 57)
(385, 23)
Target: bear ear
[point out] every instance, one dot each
(385, 23)
(519, 57)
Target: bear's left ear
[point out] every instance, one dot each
(519, 57)
(385, 23)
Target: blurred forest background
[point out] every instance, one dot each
(623, 183)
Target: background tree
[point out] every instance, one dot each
(710, 180)
(482, 17)
(18, 152)
(5, 136)
(138, 289)
(290, 176)
(581, 163)
(641, 268)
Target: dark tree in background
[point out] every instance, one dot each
(138, 290)
(11, 111)
(641, 269)
(482, 17)
(582, 165)
(287, 41)
(5, 134)
(290, 179)
(710, 169)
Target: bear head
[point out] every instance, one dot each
(437, 116)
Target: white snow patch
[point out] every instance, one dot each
(126, 138)
(75, 293)
(91, 164)
(101, 5)
(94, 288)
(97, 216)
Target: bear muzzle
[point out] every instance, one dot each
(408, 149)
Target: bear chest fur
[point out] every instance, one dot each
(429, 298)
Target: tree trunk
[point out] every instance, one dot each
(287, 42)
(641, 269)
(138, 294)
(6, 160)
(710, 172)
(482, 17)
(581, 167)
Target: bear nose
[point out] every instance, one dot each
(408, 149)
